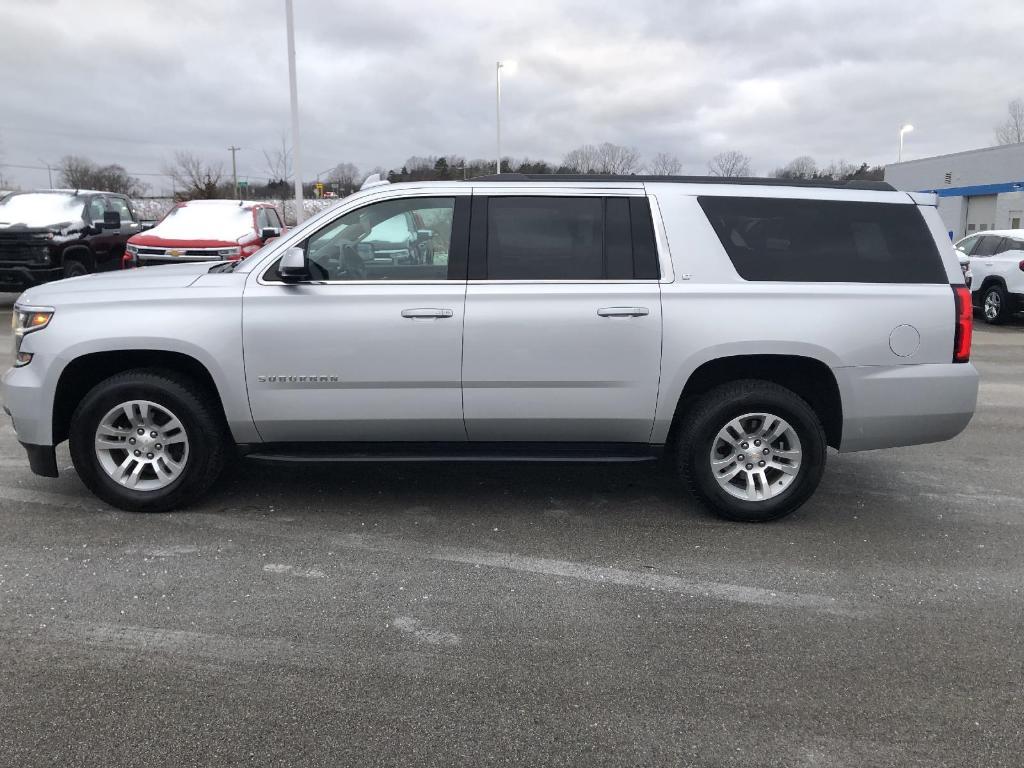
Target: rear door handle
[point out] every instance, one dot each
(426, 312)
(623, 311)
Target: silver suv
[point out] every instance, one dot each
(737, 328)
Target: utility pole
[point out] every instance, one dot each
(234, 169)
(49, 172)
(296, 165)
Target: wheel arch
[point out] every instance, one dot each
(991, 280)
(809, 377)
(87, 370)
(79, 253)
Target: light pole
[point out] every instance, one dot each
(510, 68)
(234, 168)
(905, 129)
(296, 165)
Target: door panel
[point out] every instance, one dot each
(342, 362)
(540, 363)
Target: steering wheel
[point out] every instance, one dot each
(352, 265)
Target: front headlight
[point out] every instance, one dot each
(25, 320)
(132, 249)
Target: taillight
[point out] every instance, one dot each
(964, 324)
(1021, 265)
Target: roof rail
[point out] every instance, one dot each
(373, 180)
(879, 186)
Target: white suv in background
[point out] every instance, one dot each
(997, 265)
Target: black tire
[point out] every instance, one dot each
(701, 423)
(1000, 302)
(196, 409)
(73, 268)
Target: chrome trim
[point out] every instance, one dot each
(668, 273)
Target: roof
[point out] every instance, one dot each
(64, 192)
(997, 232)
(878, 186)
(1004, 148)
(225, 203)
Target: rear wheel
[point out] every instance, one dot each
(995, 305)
(147, 440)
(751, 450)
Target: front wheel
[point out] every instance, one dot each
(751, 451)
(147, 440)
(73, 268)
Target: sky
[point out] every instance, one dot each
(132, 81)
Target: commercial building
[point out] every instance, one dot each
(978, 189)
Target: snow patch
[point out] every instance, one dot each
(291, 570)
(414, 627)
(41, 209)
(223, 220)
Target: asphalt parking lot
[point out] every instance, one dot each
(526, 615)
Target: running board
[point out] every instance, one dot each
(419, 452)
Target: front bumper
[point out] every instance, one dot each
(18, 278)
(889, 406)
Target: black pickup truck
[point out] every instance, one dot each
(52, 234)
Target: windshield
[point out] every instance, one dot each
(40, 209)
(224, 221)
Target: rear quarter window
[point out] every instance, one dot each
(827, 241)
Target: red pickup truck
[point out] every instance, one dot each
(205, 230)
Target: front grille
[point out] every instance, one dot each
(22, 252)
(205, 252)
(154, 261)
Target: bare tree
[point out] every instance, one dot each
(279, 163)
(194, 179)
(729, 164)
(839, 170)
(802, 167)
(603, 158)
(1012, 130)
(664, 164)
(81, 173)
(581, 160)
(346, 176)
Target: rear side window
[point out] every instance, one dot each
(564, 238)
(828, 241)
(988, 246)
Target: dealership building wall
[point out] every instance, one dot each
(979, 189)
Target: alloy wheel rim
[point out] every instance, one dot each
(142, 445)
(992, 304)
(756, 456)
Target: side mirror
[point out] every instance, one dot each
(268, 233)
(425, 234)
(293, 267)
(147, 224)
(111, 220)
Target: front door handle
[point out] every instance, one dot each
(623, 312)
(426, 312)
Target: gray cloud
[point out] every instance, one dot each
(131, 82)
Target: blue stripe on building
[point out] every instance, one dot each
(978, 189)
